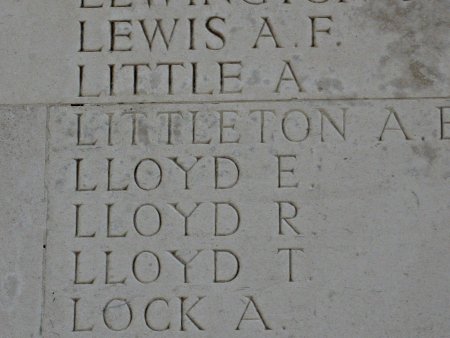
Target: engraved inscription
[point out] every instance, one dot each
(207, 218)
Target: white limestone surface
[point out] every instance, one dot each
(340, 49)
(224, 168)
(323, 219)
(23, 219)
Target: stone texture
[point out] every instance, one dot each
(371, 220)
(23, 213)
(295, 154)
(389, 48)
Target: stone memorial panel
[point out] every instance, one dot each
(246, 219)
(169, 50)
(224, 168)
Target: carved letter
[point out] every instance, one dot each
(269, 34)
(147, 320)
(287, 131)
(78, 178)
(185, 215)
(76, 328)
(77, 223)
(398, 122)
(291, 251)
(158, 269)
(185, 168)
(109, 233)
(184, 262)
(324, 115)
(110, 306)
(157, 213)
(149, 186)
(257, 311)
(444, 122)
(220, 180)
(79, 133)
(217, 208)
(228, 126)
(315, 30)
(110, 187)
(237, 269)
(288, 75)
(185, 313)
(284, 219)
(282, 169)
(76, 281)
(107, 266)
(262, 122)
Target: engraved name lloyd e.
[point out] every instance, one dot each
(156, 213)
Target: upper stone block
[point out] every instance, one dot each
(95, 51)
